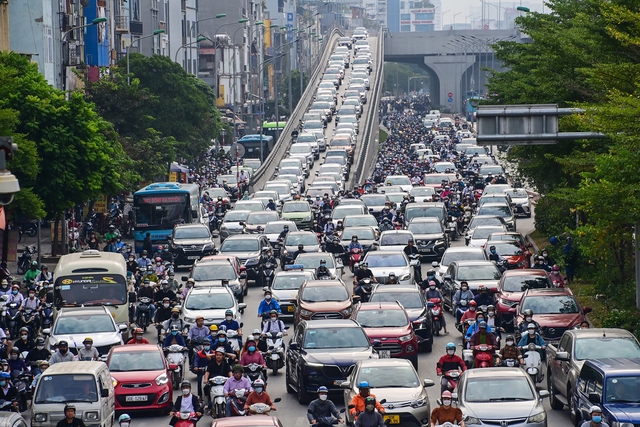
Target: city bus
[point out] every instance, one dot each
(92, 278)
(269, 128)
(161, 205)
(252, 146)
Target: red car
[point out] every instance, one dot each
(142, 378)
(555, 309)
(516, 255)
(512, 286)
(388, 323)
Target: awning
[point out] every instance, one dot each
(175, 167)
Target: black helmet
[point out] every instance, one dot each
(185, 384)
(69, 406)
(528, 312)
(300, 246)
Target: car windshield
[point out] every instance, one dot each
(290, 171)
(495, 189)
(331, 338)
(341, 213)
(516, 193)
(289, 282)
(351, 221)
(507, 248)
(389, 376)
(66, 388)
(502, 211)
(450, 256)
(553, 304)
(435, 179)
(313, 262)
(477, 222)
(324, 293)
(601, 348)
(483, 233)
(362, 233)
(240, 245)
(395, 239)
(80, 324)
(191, 233)
(340, 142)
(382, 318)
(256, 218)
(522, 283)
(373, 200)
(277, 227)
(300, 148)
(216, 301)
(235, 216)
(218, 271)
(423, 211)
(386, 260)
(425, 228)
(121, 361)
(498, 389)
(493, 198)
(398, 180)
(479, 272)
(280, 189)
(307, 239)
(246, 205)
(296, 207)
(622, 389)
(422, 191)
(407, 299)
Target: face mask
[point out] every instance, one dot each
(14, 357)
(186, 391)
(323, 265)
(273, 319)
(596, 418)
(354, 240)
(431, 276)
(532, 332)
(493, 251)
(130, 260)
(450, 352)
(174, 332)
(545, 255)
(175, 316)
(256, 337)
(491, 313)
(433, 288)
(139, 337)
(323, 397)
(464, 289)
(166, 250)
(222, 339)
(125, 424)
(144, 257)
(3, 383)
(24, 337)
(158, 264)
(252, 348)
(40, 347)
(229, 317)
(268, 297)
(14, 292)
(446, 402)
(509, 342)
(472, 308)
(369, 408)
(165, 305)
(87, 346)
(32, 296)
(165, 287)
(528, 319)
(258, 389)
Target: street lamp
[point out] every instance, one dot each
(198, 40)
(64, 39)
(454, 18)
(194, 23)
(155, 33)
(215, 45)
(523, 9)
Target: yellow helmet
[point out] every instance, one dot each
(87, 339)
(213, 328)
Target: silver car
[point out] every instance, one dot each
(210, 303)
(285, 287)
(396, 381)
(500, 397)
(381, 263)
(233, 223)
(457, 253)
(520, 199)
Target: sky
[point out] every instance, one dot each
(464, 8)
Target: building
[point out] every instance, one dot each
(408, 16)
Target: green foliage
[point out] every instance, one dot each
(396, 77)
(554, 215)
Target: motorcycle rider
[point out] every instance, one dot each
(221, 341)
(354, 244)
(44, 274)
(144, 261)
(495, 256)
(392, 280)
(284, 232)
(482, 336)
(186, 402)
(259, 395)
(124, 420)
(329, 228)
(88, 352)
(510, 351)
(15, 363)
(322, 411)
(528, 319)
(266, 257)
(31, 274)
(483, 297)
(267, 305)
(217, 365)
(431, 277)
(37, 353)
(32, 302)
(433, 292)
(474, 328)
(174, 285)
(165, 292)
(596, 418)
(196, 335)
(62, 354)
(138, 337)
(446, 413)
(369, 417)
(363, 272)
(163, 313)
(298, 252)
(339, 227)
(322, 270)
(317, 228)
(556, 276)
(449, 362)
(236, 382)
(334, 247)
(462, 294)
(271, 205)
(25, 343)
(5, 289)
(358, 401)
(260, 343)
(250, 354)
(274, 324)
(70, 419)
(533, 337)
(174, 337)
(386, 224)
(15, 295)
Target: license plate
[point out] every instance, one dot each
(393, 419)
(193, 257)
(338, 382)
(136, 398)
(291, 309)
(384, 354)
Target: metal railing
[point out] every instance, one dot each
(266, 171)
(121, 23)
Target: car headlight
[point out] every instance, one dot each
(40, 418)
(114, 381)
(189, 320)
(91, 416)
(305, 313)
(405, 338)
(405, 277)
(162, 379)
(537, 418)
(223, 227)
(419, 402)
(621, 424)
(468, 420)
(346, 311)
(439, 242)
(307, 218)
(208, 247)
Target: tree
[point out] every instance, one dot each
(396, 76)
(78, 156)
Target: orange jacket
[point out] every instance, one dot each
(358, 401)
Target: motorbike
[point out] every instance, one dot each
(28, 319)
(186, 419)
(74, 236)
(414, 260)
(216, 397)
(267, 274)
(461, 309)
(253, 371)
(7, 406)
(175, 356)
(435, 310)
(510, 363)
(47, 315)
(355, 256)
(533, 362)
(452, 378)
(328, 421)
(13, 320)
(452, 228)
(274, 356)
(366, 287)
(24, 262)
(262, 408)
(30, 228)
(235, 340)
(144, 312)
(23, 385)
(238, 398)
(479, 356)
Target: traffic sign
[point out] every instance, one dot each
(236, 150)
(450, 95)
(486, 26)
(449, 99)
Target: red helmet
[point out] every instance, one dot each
(160, 247)
(158, 259)
(473, 303)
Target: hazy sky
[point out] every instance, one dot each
(464, 8)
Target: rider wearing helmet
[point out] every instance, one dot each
(359, 400)
(186, 402)
(229, 323)
(268, 304)
(510, 351)
(556, 276)
(528, 319)
(138, 337)
(595, 412)
(354, 244)
(31, 274)
(431, 277)
(446, 413)
(449, 362)
(88, 352)
(69, 419)
(461, 300)
(484, 297)
(322, 270)
(274, 324)
(369, 417)
(259, 395)
(392, 280)
(38, 353)
(124, 420)
(322, 411)
(174, 337)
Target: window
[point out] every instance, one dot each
(405, 16)
(424, 16)
(48, 45)
(401, 5)
(406, 28)
(425, 27)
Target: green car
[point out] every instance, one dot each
(298, 212)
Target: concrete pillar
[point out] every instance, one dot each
(449, 69)
(5, 46)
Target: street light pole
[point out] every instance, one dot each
(198, 40)
(215, 54)
(193, 24)
(235, 113)
(63, 39)
(155, 33)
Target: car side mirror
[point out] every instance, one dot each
(434, 264)
(543, 394)
(294, 346)
(242, 306)
(594, 398)
(447, 277)
(104, 392)
(46, 331)
(345, 384)
(122, 327)
(428, 383)
(587, 310)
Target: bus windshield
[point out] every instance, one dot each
(161, 211)
(90, 289)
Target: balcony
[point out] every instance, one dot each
(121, 23)
(135, 27)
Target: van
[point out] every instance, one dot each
(86, 385)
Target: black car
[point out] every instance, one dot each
(190, 242)
(324, 353)
(429, 237)
(415, 304)
(345, 41)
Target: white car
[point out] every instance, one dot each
(402, 181)
(457, 253)
(303, 151)
(395, 240)
(381, 263)
(210, 303)
(481, 234)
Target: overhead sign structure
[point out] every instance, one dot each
(535, 124)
